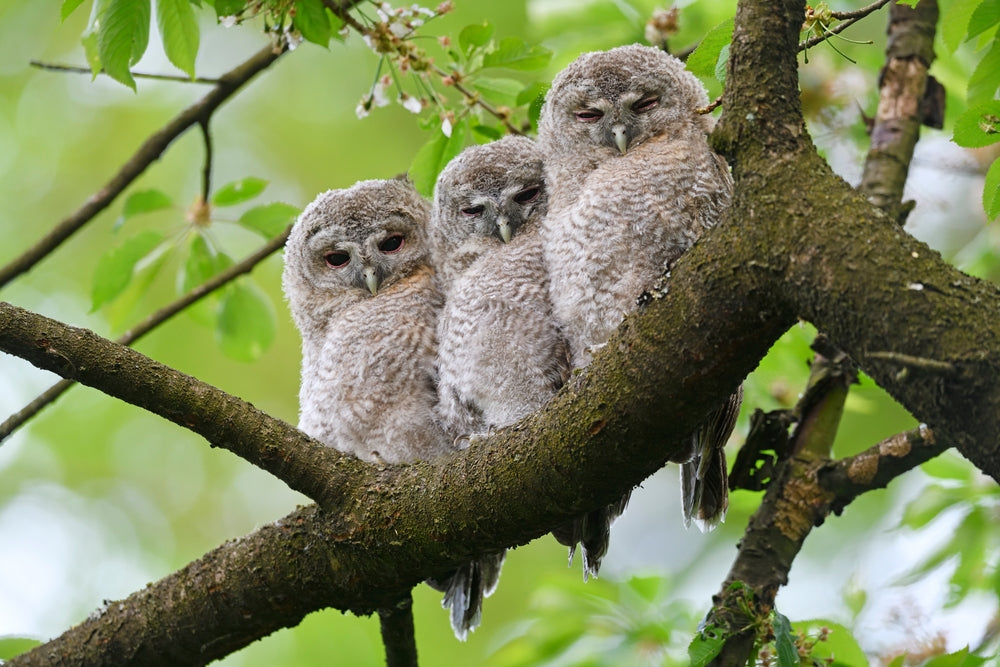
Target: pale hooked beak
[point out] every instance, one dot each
(620, 136)
(503, 226)
(371, 280)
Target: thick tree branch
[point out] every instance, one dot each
(150, 150)
(154, 320)
(802, 495)
(842, 264)
(816, 249)
(225, 421)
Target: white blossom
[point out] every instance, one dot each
(227, 21)
(411, 104)
(361, 111)
(293, 38)
(379, 93)
(446, 127)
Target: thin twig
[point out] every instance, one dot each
(47, 397)
(920, 363)
(150, 151)
(475, 99)
(849, 19)
(206, 172)
(73, 69)
(472, 98)
(860, 13)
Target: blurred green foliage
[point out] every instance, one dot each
(93, 486)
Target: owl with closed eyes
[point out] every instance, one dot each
(361, 289)
(633, 184)
(501, 356)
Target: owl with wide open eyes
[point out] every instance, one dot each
(500, 356)
(360, 286)
(633, 184)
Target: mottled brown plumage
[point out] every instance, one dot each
(633, 184)
(500, 354)
(361, 290)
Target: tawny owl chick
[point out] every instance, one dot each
(633, 184)
(500, 355)
(361, 290)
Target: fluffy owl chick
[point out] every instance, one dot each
(633, 184)
(361, 290)
(500, 354)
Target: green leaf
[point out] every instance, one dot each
(705, 646)
(501, 91)
(269, 219)
(246, 324)
(991, 191)
(200, 264)
(434, 155)
(950, 466)
(985, 16)
(116, 267)
(179, 32)
(955, 22)
(89, 38)
(933, 501)
(311, 20)
(784, 642)
(143, 201)
(533, 95)
(720, 66)
(985, 78)
(485, 133)
(239, 191)
(704, 59)
(92, 53)
(12, 646)
(474, 35)
(122, 37)
(228, 7)
(68, 7)
(908, 3)
(512, 53)
(958, 659)
(840, 645)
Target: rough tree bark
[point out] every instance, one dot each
(794, 245)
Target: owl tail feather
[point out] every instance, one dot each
(592, 532)
(704, 478)
(465, 589)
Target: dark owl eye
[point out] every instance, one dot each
(391, 244)
(527, 195)
(336, 259)
(646, 104)
(473, 211)
(589, 115)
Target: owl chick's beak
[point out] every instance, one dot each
(371, 280)
(503, 226)
(620, 136)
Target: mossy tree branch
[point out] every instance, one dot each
(791, 247)
(841, 263)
